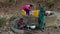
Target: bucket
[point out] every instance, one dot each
(23, 12)
(36, 12)
(14, 28)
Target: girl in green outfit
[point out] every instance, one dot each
(41, 18)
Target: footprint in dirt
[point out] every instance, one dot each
(52, 30)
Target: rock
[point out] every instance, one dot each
(55, 27)
(5, 32)
(7, 23)
(10, 32)
(4, 28)
(59, 26)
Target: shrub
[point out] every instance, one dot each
(50, 3)
(11, 1)
(2, 21)
(14, 17)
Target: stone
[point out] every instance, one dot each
(10, 32)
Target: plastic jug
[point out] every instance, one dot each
(23, 12)
(36, 13)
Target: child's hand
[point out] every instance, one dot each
(44, 24)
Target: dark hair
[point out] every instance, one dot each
(21, 18)
(31, 5)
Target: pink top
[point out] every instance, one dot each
(26, 7)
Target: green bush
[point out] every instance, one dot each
(50, 3)
(2, 21)
(11, 1)
(14, 17)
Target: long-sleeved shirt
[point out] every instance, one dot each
(26, 7)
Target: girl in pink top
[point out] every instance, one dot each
(27, 8)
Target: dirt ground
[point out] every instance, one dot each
(9, 10)
(53, 27)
